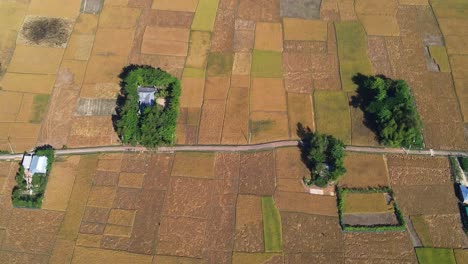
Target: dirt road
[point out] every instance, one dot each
(231, 148)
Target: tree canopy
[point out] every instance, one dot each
(156, 124)
(390, 111)
(324, 156)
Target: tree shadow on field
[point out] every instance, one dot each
(305, 135)
(364, 95)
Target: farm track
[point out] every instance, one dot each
(234, 148)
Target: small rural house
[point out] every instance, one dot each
(464, 193)
(146, 97)
(35, 164)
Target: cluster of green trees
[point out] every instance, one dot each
(390, 111)
(324, 156)
(156, 124)
(19, 196)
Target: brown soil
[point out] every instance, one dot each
(395, 246)
(249, 224)
(223, 31)
(188, 197)
(236, 120)
(414, 170)
(306, 203)
(126, 198)
(446, 230)
(181, 236)
(426, 199)
(39, 237)
(226, 184)
(159, 172)
(364, 170)
(259, 10)
(211, 123)
(316, 233)
(257, 173)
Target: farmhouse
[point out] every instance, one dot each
(34, 164)
(464, 193)
(146, 97)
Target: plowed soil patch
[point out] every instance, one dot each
(364, 170)
(259, 10)
(445, 230)
(394, 246)
(39, 238)
(414, 170)
(85, 255)
(249, 224)
(180, 236)
(428, 199)
(317, 233)
(216, 87)
(211, 123)
(257, 175)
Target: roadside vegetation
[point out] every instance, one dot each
(156, 124)
(25, 197)
(389, 110)
(323, 155)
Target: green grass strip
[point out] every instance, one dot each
(205, 15)
(439, 54)
(267, 64)
(40, 103)
(422, 230)
(271, 225)
(352, 53)
(435, 256)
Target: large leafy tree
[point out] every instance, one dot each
(155, 125)
(324, 156)
(390, 111)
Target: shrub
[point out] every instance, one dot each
(389, 110)
(156, 124)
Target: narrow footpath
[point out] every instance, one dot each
(233, 148)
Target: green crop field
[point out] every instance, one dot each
(205, 15)
(40, 107)
(267, 64)
(352, 53)
(435, 256)
(422, 230)
(439, 54)
(332, 114)
(219, 63)
(271, 225)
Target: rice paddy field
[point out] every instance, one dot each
(250, 70)
(247, 207)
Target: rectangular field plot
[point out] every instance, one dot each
(332, 114)
(300, 111)
(266, 64)
(366, 203)
(271, 225)
(241, 258)
(364, 170)
(435, 255)
(352, 53)
(269, 36)
(268, 126)
(301, 29)
(175, 5)
(27, 59)
(95, 107)
(249, 224)
(306, 203)
(194, 164)
(236, 119)
(20, 82)
(205, 15)
(267, 94)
